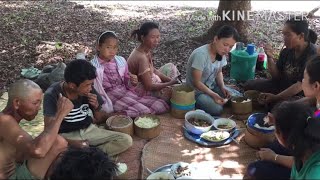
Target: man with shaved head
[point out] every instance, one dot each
(21, 156)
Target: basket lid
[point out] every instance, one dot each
(119, 121)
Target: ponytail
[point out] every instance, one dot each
(135, 34)
(299, 130)
(144, 30)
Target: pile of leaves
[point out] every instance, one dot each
(37, 33)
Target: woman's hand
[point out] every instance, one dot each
(174, 81)
(266, 154)
(219, 100)
(226, 93)
(269, 51)
(133, 79)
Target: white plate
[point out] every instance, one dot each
(215, 135)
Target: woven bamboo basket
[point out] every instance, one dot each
(120, 123)
(147, 133)
(182, 100)
(256, 139)
(240, 106)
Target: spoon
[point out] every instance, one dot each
(149, 171)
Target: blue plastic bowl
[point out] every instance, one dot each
(257, 117)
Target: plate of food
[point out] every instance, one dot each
(181, 169)
(215, 135)
(197, 138)
(176, 170)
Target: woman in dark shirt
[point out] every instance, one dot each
(287, 72)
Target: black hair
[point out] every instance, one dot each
(83, 164)
(298, 25)
(312, 69)
(78, 71)
(298, 128)
(106, 35)
(144, 30)
(227, 31)
(313, 37)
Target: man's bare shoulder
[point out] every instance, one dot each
(5, 121)
(6, 118)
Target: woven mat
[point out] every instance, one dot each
(132, 156)
(170, 147)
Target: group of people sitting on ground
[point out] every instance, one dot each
(295, 152)
(294, 74)
(109, 85)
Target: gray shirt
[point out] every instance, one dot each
(200, 59)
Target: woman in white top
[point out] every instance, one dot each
(204, 71)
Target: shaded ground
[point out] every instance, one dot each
(38, 33)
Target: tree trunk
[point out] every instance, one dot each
(232, 13)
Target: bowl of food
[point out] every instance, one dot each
(224, 124)
(259, 122)
(215, 135)
(147, 126)
(253, 95)
(181, 169)
(198, 121)
(259, 132)
(241, 105)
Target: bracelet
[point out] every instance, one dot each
(275, 157)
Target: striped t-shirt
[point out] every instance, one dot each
(78, 118)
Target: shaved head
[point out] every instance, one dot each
(21, 89)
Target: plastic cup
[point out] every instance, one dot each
(250, 49)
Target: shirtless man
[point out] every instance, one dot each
(21, 156)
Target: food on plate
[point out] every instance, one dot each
(215, 135)
(199, 122)
(146, 122)
(181, 169)
(160, 175)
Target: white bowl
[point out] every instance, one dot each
(199, 114)
(224, 121)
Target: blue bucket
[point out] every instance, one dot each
(258, 118)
